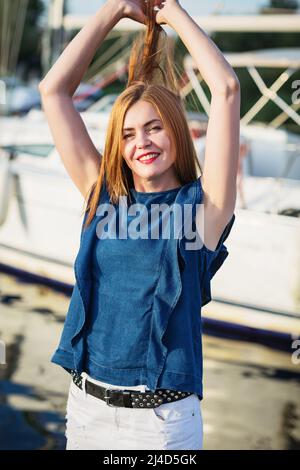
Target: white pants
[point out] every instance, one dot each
(93, 425)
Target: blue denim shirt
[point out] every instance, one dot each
(126, 267)
(174, 342)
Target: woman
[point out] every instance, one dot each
(132, 335)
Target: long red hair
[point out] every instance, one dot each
(151, 78)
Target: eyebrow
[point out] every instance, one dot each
(147, 124)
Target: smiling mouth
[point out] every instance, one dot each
(149, 158)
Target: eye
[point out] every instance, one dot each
(156, 128)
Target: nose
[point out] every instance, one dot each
(142, 140)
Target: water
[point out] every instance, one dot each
(251, 392)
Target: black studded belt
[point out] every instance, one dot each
(128, 398)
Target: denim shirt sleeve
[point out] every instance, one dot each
(208, 261)
(212, 261)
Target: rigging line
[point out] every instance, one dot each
(108, 68)
(102, 80)
(103, 59)
(101, 62)
(116, 33)
(111, 66)
(110, 77)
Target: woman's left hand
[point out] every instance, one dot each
(164, 9)
(132, 9)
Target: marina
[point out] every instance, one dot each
(264, 242)
(251, 398)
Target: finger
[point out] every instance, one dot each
(158, 8)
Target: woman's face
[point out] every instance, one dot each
(144, 133)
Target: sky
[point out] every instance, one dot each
(194, 7)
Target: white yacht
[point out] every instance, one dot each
(259, 284)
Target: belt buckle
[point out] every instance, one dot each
(107, 397)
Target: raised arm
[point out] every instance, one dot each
(222, 139)
(78, 153)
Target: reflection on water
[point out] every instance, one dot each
(251, 392)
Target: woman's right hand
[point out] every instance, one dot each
(130, 9)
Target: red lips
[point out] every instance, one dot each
(149, 153)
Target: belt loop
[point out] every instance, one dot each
(84, 378)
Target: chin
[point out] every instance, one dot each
(147, 171)
(151, 175)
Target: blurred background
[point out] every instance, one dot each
(251, 327)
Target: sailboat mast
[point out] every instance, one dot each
(54, 34)
(12, 21)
